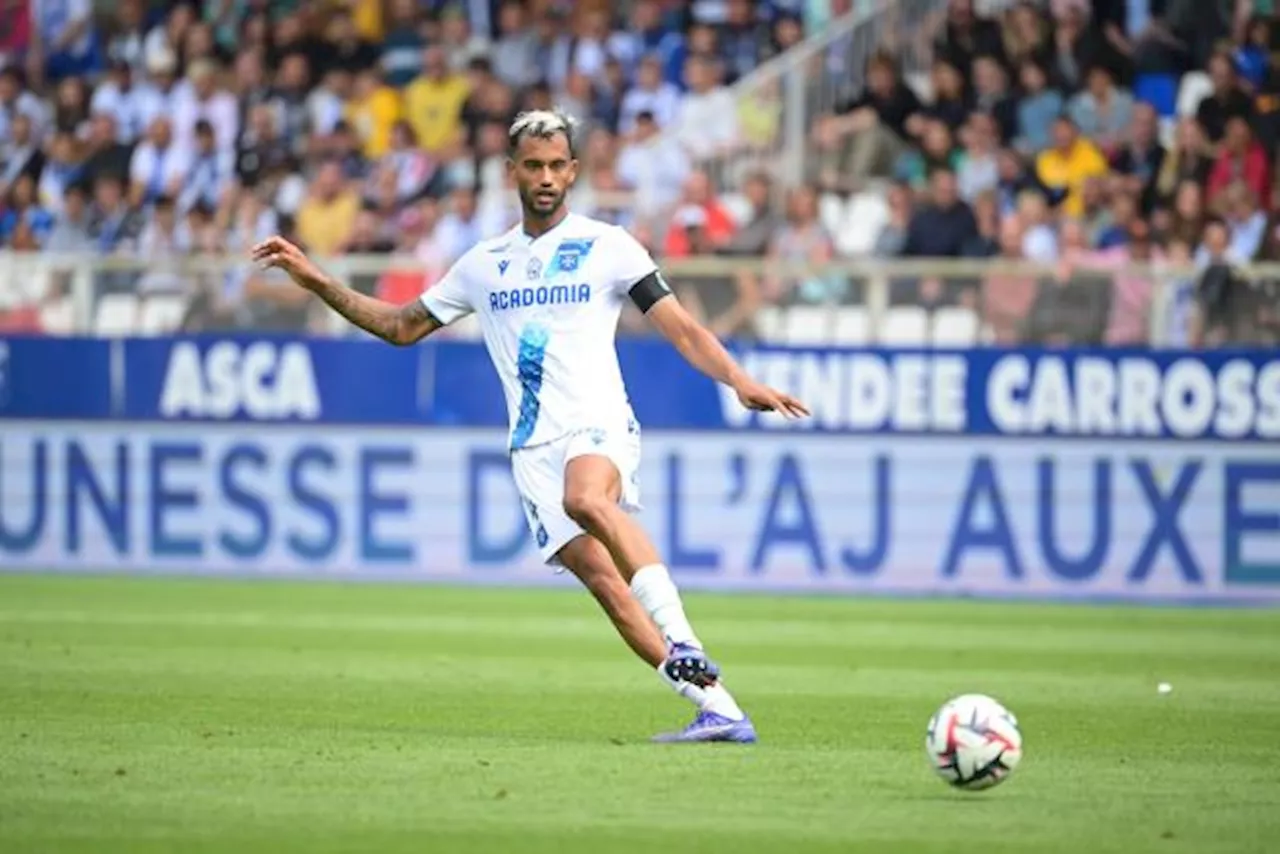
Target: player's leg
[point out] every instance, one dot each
(590, 562)
(593, 489)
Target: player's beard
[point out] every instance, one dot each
(536, 208)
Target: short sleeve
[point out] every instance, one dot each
(447, 299)
(630, 261)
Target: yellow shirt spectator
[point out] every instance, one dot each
(433, 103)
(372, 111)
(1069, 165)
(327, 216)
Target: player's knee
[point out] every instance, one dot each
(588, 509)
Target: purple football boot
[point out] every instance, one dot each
(710, 727)
(687, 663)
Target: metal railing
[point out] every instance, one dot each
(907, 303)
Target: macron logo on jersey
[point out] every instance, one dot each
(510, 298)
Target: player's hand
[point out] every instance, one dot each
(283, 255)
(761, 398)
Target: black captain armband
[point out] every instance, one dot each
(646, 292)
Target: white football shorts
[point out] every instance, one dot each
(539, 476)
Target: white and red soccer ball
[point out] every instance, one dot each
(973, 742)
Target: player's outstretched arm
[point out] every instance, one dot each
(399, 325)
(704, 351)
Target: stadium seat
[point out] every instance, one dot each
(768, 323)
(865, 215)
(161, 314)
(807, 325)
(1158, 90)
(1195, 87)
(851, 327)
(831, 212)
(58, 317)
(904, 327)
(955, 327)
(117, 314)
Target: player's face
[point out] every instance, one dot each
(544, 170)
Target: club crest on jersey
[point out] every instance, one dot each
(503, 265)
(570, 254)
(534, 270)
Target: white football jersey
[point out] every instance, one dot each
(548, 307)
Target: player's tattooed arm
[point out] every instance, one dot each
(399, 325)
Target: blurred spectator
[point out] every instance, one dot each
(936, 151)
(992, 96)
(875, 124)
(1130, 320)
(119, 98)
(459, 228)
(1038, 107)
(262, 148)
(743, 37)
(1226, 101)
(70, 231)
(64, 166)
(1245, 220)
(1124, 212)
(648, 34)
(652, 166)
(698, 195)
(113, 226)
(372, 111)
(804, 241)
(1039, 240)
(20, 153)
(977, 168)
(350, 51)
(67, 37)
(1241, 158)
(1139, 161)
(402, 44)
(893, 235)
(1027, 37)
(1221, 295)
(985, 243)
(966, 36)
(514, 53)
(160, 95)
(326, 217)
(22, 209)
(16, 99)
(1188, 160)
(756, 222)
(1070, 309)
(157, 168)
(208, 172)
(1102, 111)
(707, 121)
(461, 43)
(951, 104)
(204, 99)
(652, 95)
(944, 225)
(164, 239)
(1252, 57)
(726, 302)
(1071, 162)
(1007, 296)
(1188, 212)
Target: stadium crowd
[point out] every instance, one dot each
(1086, 137)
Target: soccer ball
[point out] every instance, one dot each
(973, 742)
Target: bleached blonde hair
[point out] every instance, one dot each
(542, 124)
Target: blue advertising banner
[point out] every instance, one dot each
(1118, 474)
(986, 392)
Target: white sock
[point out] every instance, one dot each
(657, 594)
(715, 698)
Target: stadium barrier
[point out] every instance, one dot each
(1135, 475)
(900, 303)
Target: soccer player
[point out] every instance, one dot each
(548, 294)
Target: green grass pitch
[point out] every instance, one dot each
(171, 715)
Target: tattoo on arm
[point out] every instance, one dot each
(400, 325)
